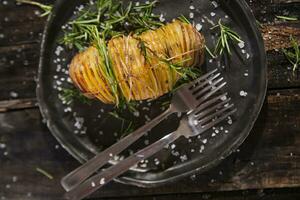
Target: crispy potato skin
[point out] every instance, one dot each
(139, 63)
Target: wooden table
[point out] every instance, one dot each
(267, 165)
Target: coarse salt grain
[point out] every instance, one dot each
(13, 94)
(2, 146)
(102, 181)
(241, 44)
(191, 15)
(198, 27)
(243, 93)
(173, 146)
(215, 4)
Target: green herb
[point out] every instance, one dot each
(286, 18)
(45, 173)
(293, 55)
(112, 19)
(130, 128)
(259, 24)
(69, 95)
(209, 52)
(46, 8)
(182, 18)
(227, 37)
(186, 73)
(108, 19)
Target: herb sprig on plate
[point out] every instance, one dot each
(293, 54)
(111, 19)
(46, 8)
(226, 39)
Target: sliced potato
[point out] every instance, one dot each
(140, 63)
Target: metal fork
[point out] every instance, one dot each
(185, 99)
(203, 118)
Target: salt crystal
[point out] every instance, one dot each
(136, 113)
(192, 7)
(191, 15)
(202, 147)
(102, 181)
(212, 14)
(161, 18)
(198, 27)
(241, 44)
(204, 141)
(183, 158)
(93, 184)
(173, 146)
(224, 98)
(247, 55)
(2, 146)
(215, 4)
(58, 50)
(14, 179)
(243, 93)
(13, 94)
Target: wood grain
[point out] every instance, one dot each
(270, 157)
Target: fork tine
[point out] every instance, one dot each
(213, 91)
(220, 119)
(202, 91)
(207, 111)
(208, 103)
(205, 76)
(202, 84)
(215, 114)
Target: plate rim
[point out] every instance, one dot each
(143, 183)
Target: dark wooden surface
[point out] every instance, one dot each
(267, 166)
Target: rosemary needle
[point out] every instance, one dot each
(45, 173)
(227, 37)
(287, 18)
(293, 55)
(46, 8)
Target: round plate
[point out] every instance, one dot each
(84, 130)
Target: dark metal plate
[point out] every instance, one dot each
(87, 129)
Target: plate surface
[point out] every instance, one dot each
(84, 130)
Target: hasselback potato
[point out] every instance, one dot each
(140, 64)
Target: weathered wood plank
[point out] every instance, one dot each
(271, 194)
(270, 157)
(19, 58)
(17, 104)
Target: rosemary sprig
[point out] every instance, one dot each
(182, 18)
(46, 8)
(112, 19)
(287, 18)
(227, 37)
(44, 172)
(69, 95)
(293, 55)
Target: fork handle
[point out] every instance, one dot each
(101, 179)
(80, 174)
